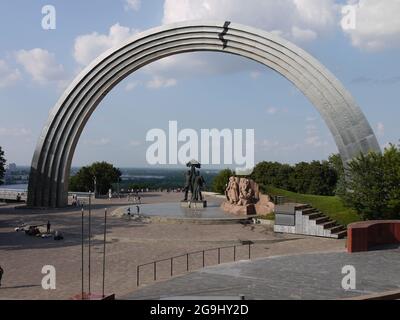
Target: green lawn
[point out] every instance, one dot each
(330, 206)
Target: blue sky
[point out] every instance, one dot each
(199, 90)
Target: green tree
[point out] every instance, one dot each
(102, 172)
(273, 173)
(317, 177)
(2, 165)
(220, 181)
(335, 161)
(373, 184)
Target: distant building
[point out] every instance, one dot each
(11, 167)
(16, 175)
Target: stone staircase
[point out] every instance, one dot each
(309, 221)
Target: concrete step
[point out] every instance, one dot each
(315, 215)
(317, 224)
(322, 219)
(329, 224)
(308, 211)
(336, 229)
(302, 207)
(341, 234)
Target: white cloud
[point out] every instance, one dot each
(87, 47)
(377, 24)
(8, 77)
(160, 82)
(272, 110)
(303, 34)
(15, 132)
(132, 5)
(41, 65)
(130, 86)
(313, 138)
(255, 75)
(380, 129)
(315, 141)
(98, 142)
(303, 19)
(267, 144)
(199, 64)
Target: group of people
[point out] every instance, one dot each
(75, 201)
(137, 211)
(135, 199)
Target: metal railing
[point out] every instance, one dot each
(13, 194)
(278, 200)
(187, 255)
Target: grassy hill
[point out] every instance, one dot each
(331, 206)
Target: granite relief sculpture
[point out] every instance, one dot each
(244, 198)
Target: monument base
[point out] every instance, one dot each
(264, 205)
(249, 209)
(194, 204)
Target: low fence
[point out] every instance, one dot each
(13, 194)
(21, 195)
(234, 254)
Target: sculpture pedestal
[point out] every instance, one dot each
(194, 204)
(249, 209)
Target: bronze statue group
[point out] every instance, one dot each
(194, 183)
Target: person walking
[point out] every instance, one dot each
(1, 274)
(48, 226)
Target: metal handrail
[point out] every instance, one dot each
(171, 259)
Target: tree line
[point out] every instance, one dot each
(316, 177)
(369, 183)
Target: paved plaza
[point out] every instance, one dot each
(302, 276)
(129, 243)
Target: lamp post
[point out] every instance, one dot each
(89, 237)
(82, 261)
(119, 179)
(95, 186)
(104, 250)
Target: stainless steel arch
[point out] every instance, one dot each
(48, 183)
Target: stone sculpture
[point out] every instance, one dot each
(243, 198)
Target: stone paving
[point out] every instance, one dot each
(129, 243)
(304, 276)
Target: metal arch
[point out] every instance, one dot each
(48, 183)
